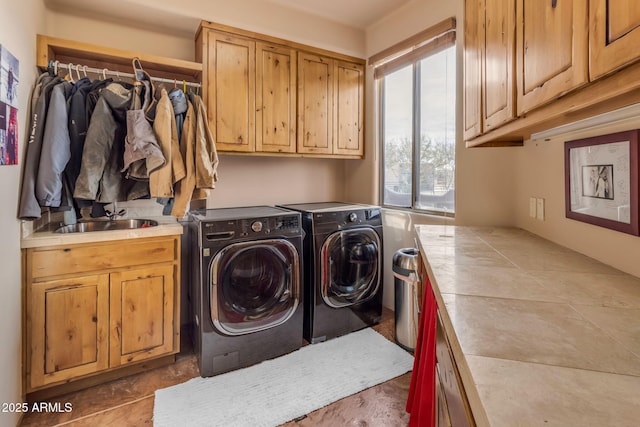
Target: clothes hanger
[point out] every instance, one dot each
(70, 74)
(52, 68)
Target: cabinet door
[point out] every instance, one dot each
(315, 104)
(69, 335)
(348, 135)
(231, 91)
(552, 50)
(144, 314)
(472, 68)
(614, 35)
(442, 411)
(275, 99)
(497, 75)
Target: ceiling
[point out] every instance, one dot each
(357, 14)
(354, 13)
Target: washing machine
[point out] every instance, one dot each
(343, 268)
(246, 286)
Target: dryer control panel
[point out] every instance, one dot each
(338, 220)
(275, 226)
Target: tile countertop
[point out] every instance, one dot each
(167, 226)
(542, 335)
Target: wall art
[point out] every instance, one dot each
(601, 181)
(9, 79)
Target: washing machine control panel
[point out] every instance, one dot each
(288, 224)
(256, 226)
(285, 225)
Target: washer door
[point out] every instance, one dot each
(349, 271)
(254, 286)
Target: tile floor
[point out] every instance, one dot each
(129, 401)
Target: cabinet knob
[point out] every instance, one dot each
(554, 3)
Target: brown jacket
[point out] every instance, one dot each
(161, 180)
(201, 159)
(206, 154)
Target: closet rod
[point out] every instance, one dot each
(104, 71)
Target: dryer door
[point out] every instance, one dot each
(254, 286)
(350, 261)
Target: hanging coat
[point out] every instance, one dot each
(206, 155)
(141, 153)
(55, 151)
(100, 178)
(161, 180)
(185, 187)
(29, 208)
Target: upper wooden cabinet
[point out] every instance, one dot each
(573, 60)
(498, 34)
(348, 136)
(275, 98)
(315, 104)
(472, 65)
(270, 96)
(229, 83)
(489, 65)
(552, 53)
(614, 35)
(330, 106)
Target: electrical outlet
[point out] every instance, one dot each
(532, 207)
(540, 209)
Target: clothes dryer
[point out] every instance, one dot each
(343, 267)
(246, 286)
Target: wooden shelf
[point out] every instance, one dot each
(67, 51)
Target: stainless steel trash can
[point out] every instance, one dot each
(406, 282)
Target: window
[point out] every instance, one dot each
(418, 127)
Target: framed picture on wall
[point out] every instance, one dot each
(601, 181)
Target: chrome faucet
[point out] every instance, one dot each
(115, 213)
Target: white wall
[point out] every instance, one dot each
(493, 185)
(246, 181)
(118, 34)
(484, 184)
(485, 187)
(181, 19)
(19, 23)
(540, 174)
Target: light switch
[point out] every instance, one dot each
(540, 209)
(532, 207)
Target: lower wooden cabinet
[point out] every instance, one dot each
(452, 405)
(142, 315)
(69, 333)
(124, 310)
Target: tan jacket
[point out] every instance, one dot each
(162, 180)
(206, 154)
(201, 159)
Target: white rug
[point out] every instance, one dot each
(282, 389)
